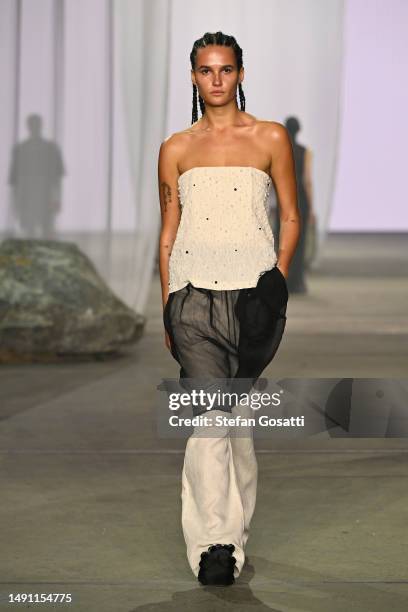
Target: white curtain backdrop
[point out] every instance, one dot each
(144, 45)
(110, 80)
(370, 185)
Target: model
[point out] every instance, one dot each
(223, 286)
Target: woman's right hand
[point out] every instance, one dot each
(166, 334)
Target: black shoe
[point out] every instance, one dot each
(217, 565)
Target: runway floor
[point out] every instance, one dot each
(91, 496)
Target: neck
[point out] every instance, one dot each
(218, 118)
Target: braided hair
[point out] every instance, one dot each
(214, 38)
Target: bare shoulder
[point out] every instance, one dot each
(173, 147)
(172, 143)
(274, 131)
(170, 152)
(276, 139)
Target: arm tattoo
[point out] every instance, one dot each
(166, 194)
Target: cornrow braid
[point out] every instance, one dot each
(214, 38)
(241, 96)
(194, 117)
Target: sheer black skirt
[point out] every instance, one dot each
(227, 333)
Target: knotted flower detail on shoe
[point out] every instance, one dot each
(229, 547)
(217, 565)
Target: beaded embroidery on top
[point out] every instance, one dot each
(224, 239)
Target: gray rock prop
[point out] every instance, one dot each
(53, 303)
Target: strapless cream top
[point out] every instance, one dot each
(224, 239)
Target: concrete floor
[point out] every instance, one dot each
(91, 497)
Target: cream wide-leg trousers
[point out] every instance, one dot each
(219, 482)
(219, 478)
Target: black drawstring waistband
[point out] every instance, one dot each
(210, 295)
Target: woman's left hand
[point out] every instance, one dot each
(284, 270)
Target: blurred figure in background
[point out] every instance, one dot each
(35, 175)
(303, 167)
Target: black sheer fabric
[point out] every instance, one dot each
(227, 333)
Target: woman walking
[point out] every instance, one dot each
(223, 287)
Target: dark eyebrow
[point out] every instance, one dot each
(225, 66)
